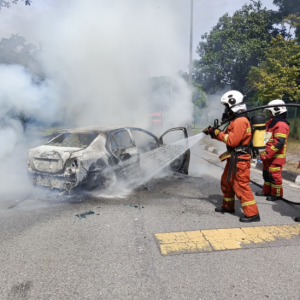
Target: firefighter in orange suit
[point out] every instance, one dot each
(274, 157)
(236, 176)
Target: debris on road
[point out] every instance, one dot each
(83, 215)
(129, 205)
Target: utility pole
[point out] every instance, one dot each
(191, 46)
(191, 56)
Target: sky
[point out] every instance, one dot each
(25, 20)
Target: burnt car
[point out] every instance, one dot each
(94, 156)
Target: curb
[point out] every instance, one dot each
(286, 174)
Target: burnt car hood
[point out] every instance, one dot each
(49, 159)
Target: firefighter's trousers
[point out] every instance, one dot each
(239, 186)
(273, 179)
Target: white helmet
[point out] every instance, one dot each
(276, 110)
(233, 99)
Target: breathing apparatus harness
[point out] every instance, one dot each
(239, 150)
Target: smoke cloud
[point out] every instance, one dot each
(96, 57)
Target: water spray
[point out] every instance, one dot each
(153, 162)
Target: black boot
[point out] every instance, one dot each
(261, 194)
(297, 219)
(273, 198)
(224, 210)
(245, 219)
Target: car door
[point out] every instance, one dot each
(124, 152)
(175, 138)
(145, 142)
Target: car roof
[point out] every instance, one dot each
(93, 128)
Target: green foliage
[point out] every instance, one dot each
(286, 8)
(278, 75)
(7, 4)
(234, 45)
(16, 51)
(199, 96)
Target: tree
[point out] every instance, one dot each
(278, 75)
(234, 45)
(286, 8)
(7, 4)
(15, 50)
(199, 96)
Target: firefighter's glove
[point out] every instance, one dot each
(216, 132)
(207, 130)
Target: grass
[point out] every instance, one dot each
(293, 155)
(292, 166)
(196, 129)
(297, 135)
(293, 146)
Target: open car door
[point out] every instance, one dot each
(171, 136)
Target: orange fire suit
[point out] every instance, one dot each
(274, 158)
(236, 135)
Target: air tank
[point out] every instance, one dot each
(258, 129)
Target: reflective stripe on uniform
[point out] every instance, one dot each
(271, 140)
(225, 138)
(228, 199)
(274, 168)
(248, 203)
(248, 130)
(281, 155)
(224, 156)
(274, 149)
(280, 134)
(267, 183)
(276, 186)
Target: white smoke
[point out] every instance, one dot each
(96, 56)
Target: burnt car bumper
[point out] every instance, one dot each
(58, 181)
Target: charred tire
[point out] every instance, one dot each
(101, 180)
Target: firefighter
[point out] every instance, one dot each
(274, 157)
(236, 176)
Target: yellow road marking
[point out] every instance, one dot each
(222, 239)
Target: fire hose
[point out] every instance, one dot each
(257, 184)
(217, 125)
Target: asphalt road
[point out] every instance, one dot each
(48, 253)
